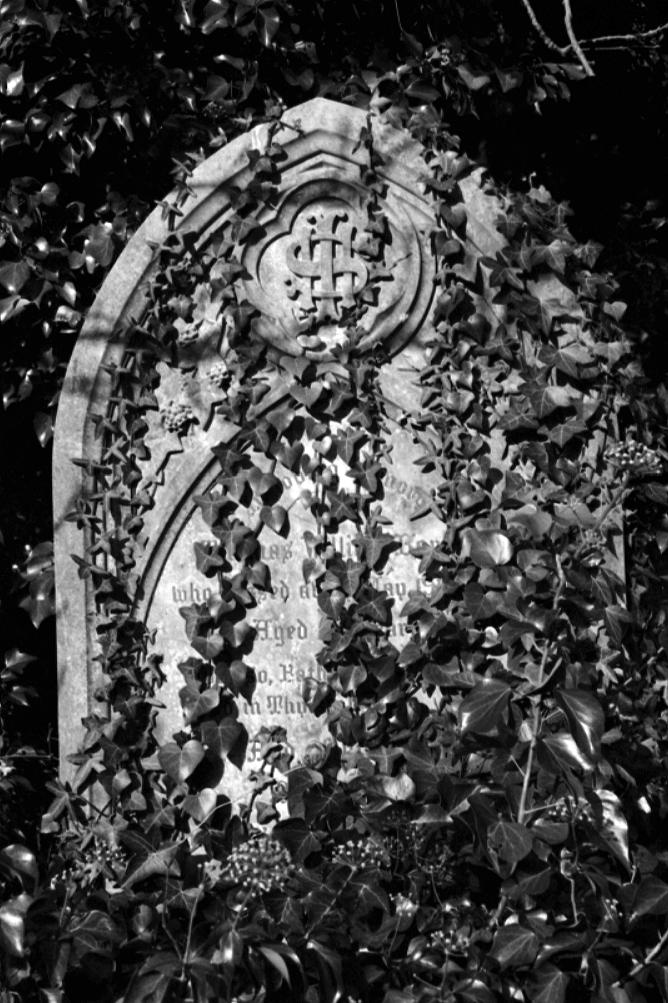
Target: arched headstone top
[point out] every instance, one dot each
(337, 256)
(322, 158)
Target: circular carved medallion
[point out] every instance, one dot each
(325, 273)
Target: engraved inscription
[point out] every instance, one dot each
(287, 620)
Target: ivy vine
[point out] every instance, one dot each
(474, 829)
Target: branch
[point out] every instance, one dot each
(522, 808)
(540, 31)
(638, 967)
(577, 49)
(638, 37)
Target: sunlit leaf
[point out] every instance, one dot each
(14, 275)
(180, 762)
(484, 707)
(585, 718)
(487, 548)
(20, 862)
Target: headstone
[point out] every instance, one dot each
(306, 263)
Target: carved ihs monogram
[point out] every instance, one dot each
(328, 272)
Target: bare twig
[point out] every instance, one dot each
(535, 724)
(638, 967)
(540, 31)
(568, 21)
(639, 36)
(577, 46)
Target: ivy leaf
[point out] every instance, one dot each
(480, 602)
(330, 967)
(213, 508)
(180, 762)
(514, 946)
(158, 863)
(469, 496)
(349, 577)
(377, 607)
(474, 81)
(370, 896)
(483, 708)
(422, 767)
(651, 899)
(375, 548)
(201, 805)
(43, 425)
(239, 678)
(276, 518)
(317, 695)
(12, 927)
(14, 275)
(547, 399)
(560, 752)
(561, 434)
(340, 506)
(615, 830)
(228, 738)
(347, 443)
(18, 861)
(94, 931)
(548, 985)
(509, 79)
(270, 21)
(553, 833)
(487, 548)
(585, 718)
(208, 559)
(204, 704)
(332, 603)
(265, 485)
(400, 788)
(510, 841)
(536, 522)
(276, 961)
(209, 646)
(574, 514)
(297, 838)
(617, 622)
(197, 617)
(517, 419)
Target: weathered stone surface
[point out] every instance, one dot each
(287, 622)
(310, 259)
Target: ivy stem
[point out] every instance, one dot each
(191, 921)
(638, 967)
(522, 808)
(353, 872)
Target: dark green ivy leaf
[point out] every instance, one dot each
(585, 718)
(482, 710)
(510, 841)
(514, 946)
(548, 985)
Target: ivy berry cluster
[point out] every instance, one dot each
(261, 864)
(100, 858)
(635, 458)
(176, 416)
(363, 854)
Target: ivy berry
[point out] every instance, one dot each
(634, 457)
(176, 417)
